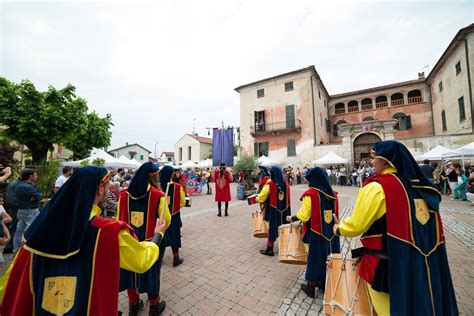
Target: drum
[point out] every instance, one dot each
(346, 292)
(260, 227)
(252, 199)
(188, 202)
(292, 248)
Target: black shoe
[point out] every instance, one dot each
(219, 213)
(156, 310)
(267, 252)
(134, 309)
(177, 262)
(310, 291)
(226, 214)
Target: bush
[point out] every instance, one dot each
(47, 175)
(248, 165)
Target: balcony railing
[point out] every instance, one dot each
(367, 106)
(397, 102)
(381, 105)
(267, 128)
(353, 109)
(340, 111)
(414, 100)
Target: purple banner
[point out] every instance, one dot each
(223, 146)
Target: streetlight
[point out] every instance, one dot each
(155, 149)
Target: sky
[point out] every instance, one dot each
(162, 68)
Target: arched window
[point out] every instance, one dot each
(368, 118)
(336, 130)
(381, 102)
(397, 99)
(366, 104)
(404, 121)
(414, 96)
(353, 106)
(340, 108)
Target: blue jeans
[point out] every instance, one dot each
(25, 218)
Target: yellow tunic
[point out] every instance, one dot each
(134, 255)
(182, 197)
(369, 207)
(263, 195)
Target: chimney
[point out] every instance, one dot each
(421, 75)
(126, 143)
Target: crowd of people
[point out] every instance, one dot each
(135, 215)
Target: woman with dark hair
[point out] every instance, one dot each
(276, 197)
(320, 204)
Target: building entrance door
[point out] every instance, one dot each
(363, 144)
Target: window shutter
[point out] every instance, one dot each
(328, 125)
(255, 150)
(265, 148)
(334, 129)
(290, 116)
(408, 122)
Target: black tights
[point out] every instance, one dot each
(219, 205)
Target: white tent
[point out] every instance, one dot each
(205, 163)
(110, 161)
(434, 154)
(463, 152)
(330, 158)
(136, 163)
(265, 161)
(125, 162)
(189, 164)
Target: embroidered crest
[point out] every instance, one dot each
(137, 219)
(328, 216)
(422, 213)
(58, 294)
(221, 182)
(281, 195)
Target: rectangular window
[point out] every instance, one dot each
(260, 93)
(458, 68)
(319, 94)
(259, 121)
(440, 85)
(180, 153)
(189, 152)
(462, 111)
(328, 125)
(321, 119)
(443, 120)
(260, 149)
(290, 116)
(291, 148)
(289, 86)
(170, 159)
(141, 157)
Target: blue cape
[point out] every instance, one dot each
(165, 176)
(318, 179)
(60, 227)
(139, 184)
(277, 177)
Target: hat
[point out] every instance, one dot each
(222, 164)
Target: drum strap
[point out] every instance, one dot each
(359, 252)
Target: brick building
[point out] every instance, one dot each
(293, 119)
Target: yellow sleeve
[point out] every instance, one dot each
(263, 195)
(118, 209)
(134, 255)
(369, 206)
(182, 197)
(304, 214)
(166, 214)
(4, 281)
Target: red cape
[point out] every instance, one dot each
(222, 186)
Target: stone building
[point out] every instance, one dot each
(192, 147)
(292, 118)
(131, 151)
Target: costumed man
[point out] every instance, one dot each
(263, 177)
(176, 200)
(404, 258)
(222, 178)
(276, 196)
(70, 260)
(319, 204)
(139, 206)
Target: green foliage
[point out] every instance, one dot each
(98, 162)
(246, 164)
(47, 174)
(41, 119)
(85, 163)
(28, 162)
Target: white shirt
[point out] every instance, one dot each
(2, 210)
(60, 181)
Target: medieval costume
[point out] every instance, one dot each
(69, 263)
(319, 204)
(139, 206)
(222, 178)
(176, 200)
(276, 196)
(404, 258)
(263, 177)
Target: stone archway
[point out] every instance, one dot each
(363, 144)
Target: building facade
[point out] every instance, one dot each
(131, 151)
(167, 156)
(292, 118)
(192, 147)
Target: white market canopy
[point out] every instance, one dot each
(461, 153)
(126, 163)
(189, 164)
(136, 163)
(330, 158)
(265, 161)
(205, 163)
(434, 154)
(110, 161)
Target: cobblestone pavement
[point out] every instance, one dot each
(223, 272)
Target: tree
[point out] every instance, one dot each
(41, 119)
(246, 164)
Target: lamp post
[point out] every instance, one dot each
(155, 150)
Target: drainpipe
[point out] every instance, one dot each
(314, 117)
(469, 83)
(431, 105)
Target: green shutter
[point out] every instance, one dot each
(408, 122)
(255, 150)
(462, 112)
(443, 120)
(265, 148)
(290, 116)
(291, 148)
